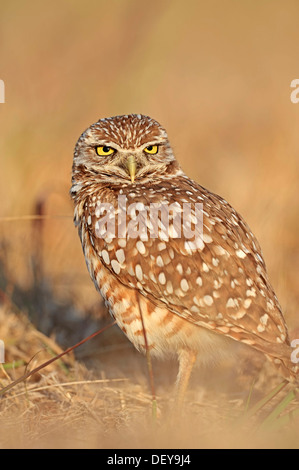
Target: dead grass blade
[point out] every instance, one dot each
(55, 358)
(33, 217)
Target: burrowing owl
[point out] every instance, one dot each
(192, 296)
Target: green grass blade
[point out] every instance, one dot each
(247, 404)
(261, 403)
(278, 409)
(13, 365)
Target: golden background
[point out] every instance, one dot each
(215, 74)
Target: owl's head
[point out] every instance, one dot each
(124, 149)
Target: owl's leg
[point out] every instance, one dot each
(187, 358)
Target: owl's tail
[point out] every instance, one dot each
(287, 366)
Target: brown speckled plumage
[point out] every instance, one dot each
(195, 296)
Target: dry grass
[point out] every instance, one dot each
(102, 399)
(217, 75)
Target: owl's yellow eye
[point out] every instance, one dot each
(104, 150)
(152, 149)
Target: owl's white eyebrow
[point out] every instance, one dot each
(115, 146)
(106, 143)
(152, 142)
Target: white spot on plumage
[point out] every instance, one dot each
(208, 300)
(199, 244)
(120, 255)
(223, 329)
(122, 242)
(162, 278)
(159, 261)
(247, 303)
(248, 341)
(239, 314)
(140, 206)
(161, 246)
(207, 238)
(270, 305)
(140, 247)
(191, 246)
(259, 257)
(251, 292)
(139, 272)
(172, 232)
(115, 266)
(194, 309)
(188, 247)
(231, 303)
(152, 277)
(131, 270)
(264, 319)
(184, 285)
(205, 267)
(219, 250)
(105, 256)
(169, 287)
(260, 328)
(179, 268)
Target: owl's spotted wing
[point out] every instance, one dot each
(218, 282)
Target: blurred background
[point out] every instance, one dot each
(215, 74)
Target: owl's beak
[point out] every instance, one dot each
(131, 164)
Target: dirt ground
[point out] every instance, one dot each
(101, 398)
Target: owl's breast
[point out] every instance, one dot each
(138, 317)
